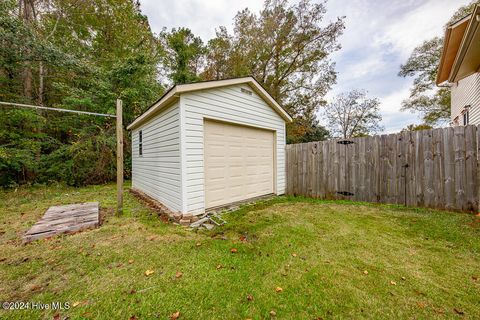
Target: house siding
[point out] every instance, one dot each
(157, 172)
(466, 92)
(228, 104)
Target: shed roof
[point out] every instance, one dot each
(461, 50)
(173, 93)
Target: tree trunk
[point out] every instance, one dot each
(26, 13)
(27, 80)
(41, 89)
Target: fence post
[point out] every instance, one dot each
(477, 145)
(119, 130)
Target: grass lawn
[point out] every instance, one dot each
(331, 259)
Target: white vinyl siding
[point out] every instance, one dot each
(467, 92)
(157, 172)
(228, 104)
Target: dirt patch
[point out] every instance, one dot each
(105, 213)
(163, 212)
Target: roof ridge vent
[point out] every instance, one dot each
(246, 91)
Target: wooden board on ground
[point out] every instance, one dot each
(64, 219)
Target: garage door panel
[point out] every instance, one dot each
(238, 163)
(217, 175)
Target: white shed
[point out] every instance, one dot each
(210, 144)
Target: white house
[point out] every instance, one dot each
(209, 144)
(460, 68)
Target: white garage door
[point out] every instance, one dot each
(238, 163)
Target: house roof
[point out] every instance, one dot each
(174, 93)
(461, 50)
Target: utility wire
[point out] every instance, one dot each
(57, 109)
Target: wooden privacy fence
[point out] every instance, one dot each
(435, 168)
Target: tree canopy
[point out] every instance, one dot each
(77, 55)
(432, 102)
(183, 55)
(83, 55)
(352, 114)
(286, 48)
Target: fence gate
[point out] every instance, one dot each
(435, 168)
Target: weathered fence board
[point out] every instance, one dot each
(435, 168)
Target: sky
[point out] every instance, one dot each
(379, 37)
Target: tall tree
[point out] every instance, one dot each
(219, 59)
(286, 48)
(352, 114)
(417, 127)
(183, 56)
(425, 97)
(26, 11)
(82, 55)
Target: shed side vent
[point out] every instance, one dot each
(246, 91)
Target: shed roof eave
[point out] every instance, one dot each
(165, 100)
(467, 61)
(184, 88)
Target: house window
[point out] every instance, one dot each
(140, 143)
(466, 115)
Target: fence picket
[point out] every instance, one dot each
(433, 168)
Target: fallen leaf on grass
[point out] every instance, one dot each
(79, 303)
(393, 283)
(365, 272)
(130, 261)
(458, 311)
(133, 291)
(219, 266)
(56, 316)
(421, 304)
(273, 313)
(233, 250)
(133, 318)
(418, 293)
(249, 297)
(149, 272)
(178, 274)
(278, 289)
(403, 278)
(439, 310)
(36, 287)
(198, 244)
(294, 254)
(474, 278)
(175, 315)
(243, 238)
